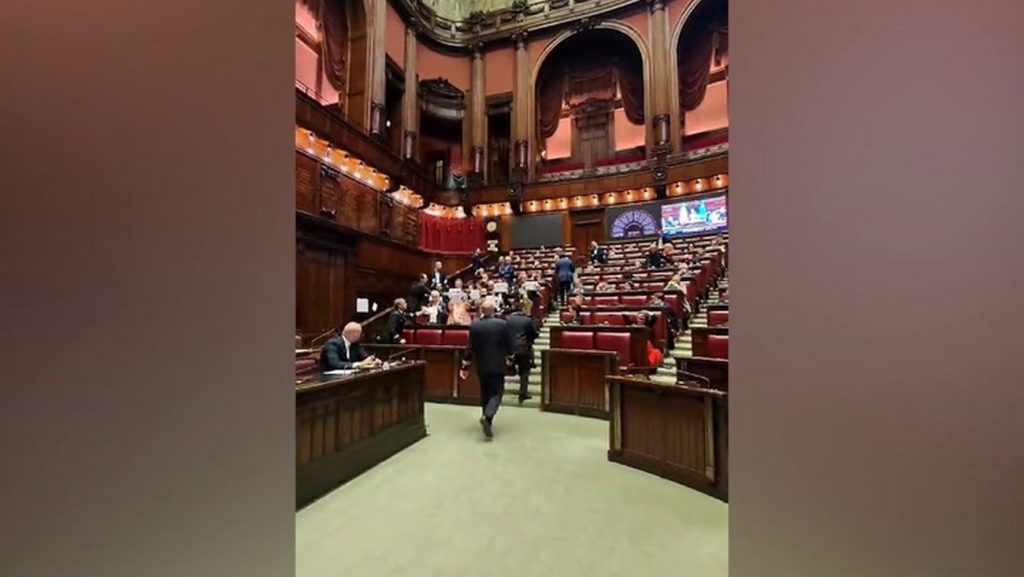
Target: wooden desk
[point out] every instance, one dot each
(638, 339)
(714, 370)
(347, 424)
(442, 383)
(572, 381)
(679, 432)
(699, 338)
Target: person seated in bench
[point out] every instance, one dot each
(459, 313)
(675, 283)
(603, 287)
(434, 310)
(345, 352)
(574, 308)
(658, 304)
(644, 319)
(628, 284)
(655, 258)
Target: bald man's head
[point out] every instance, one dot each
(487, 307)
(352, 332)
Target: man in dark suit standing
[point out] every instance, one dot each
(396, 324)
(565, 272)
(438, 281)
(523, 331)
(489, 348)
(345, 352)
(477, 261)
(419, 294)
(598, 254)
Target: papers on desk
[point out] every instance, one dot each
(341, 372)
(303, 351)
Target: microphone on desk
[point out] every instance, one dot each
(699, 378)
(400, 353)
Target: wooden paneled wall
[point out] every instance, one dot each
(335, 265)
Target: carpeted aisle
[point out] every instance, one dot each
(540, 500)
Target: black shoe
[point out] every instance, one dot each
(524, 398)
(487, 427)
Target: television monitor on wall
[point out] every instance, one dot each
(697, 216)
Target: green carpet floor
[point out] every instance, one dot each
(540, 500)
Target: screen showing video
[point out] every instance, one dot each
(698, 216)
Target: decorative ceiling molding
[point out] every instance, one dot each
(502, 26)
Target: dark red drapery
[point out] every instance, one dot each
(451, 234)
(696, 47)
(631, 88)
(550, 97)
(334, 23)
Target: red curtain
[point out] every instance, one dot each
(631, 88)
(334, 23)
(587, 81)
(451, 234)
(696, 47)
(550, 97)
(597, 82)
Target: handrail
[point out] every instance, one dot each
(327, 333)
(382, 314)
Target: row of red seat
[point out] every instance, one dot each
(620, 319)
(632, 299)
(455, 335)
(620, 343)
(717, 318)
(718, 346)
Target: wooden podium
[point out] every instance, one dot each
(345, 425)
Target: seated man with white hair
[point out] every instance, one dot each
(435, 310)
(345, 352)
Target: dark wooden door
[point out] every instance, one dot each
(587, 226)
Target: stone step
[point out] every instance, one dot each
(534, 379)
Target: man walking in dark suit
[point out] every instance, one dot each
(396, 324)
(523, 331)
(419, 294)
(565, 272)
(345, 352)
(489, 347)
(438, 281)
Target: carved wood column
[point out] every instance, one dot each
(377, 67)
(660, 125)
(410, 99)
(477, 114)
(521, 110)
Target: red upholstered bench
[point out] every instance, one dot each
(618, 343)
(305, 367)
(607, 318)
(718, 346)
(577, 340)
(717, 318)
(605, 301)
(428, 336)
(409, 335)
(633, 300)
(458, 337)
